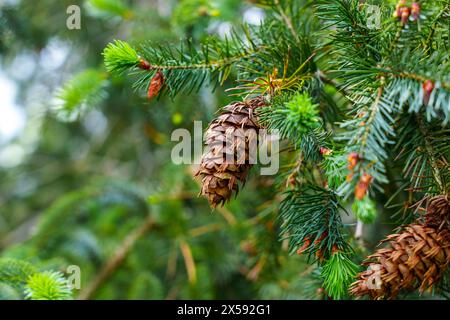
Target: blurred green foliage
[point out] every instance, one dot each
(87, 182)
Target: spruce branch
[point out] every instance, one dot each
(15, 272)
(373, 111)
(423, 154)
(185, 68)
(47, 285)
(311, 221)
(293, 115)
(338, 274)
(120, 56)
(431, 156)
(366, 135)
(79, 94)
(419, 78)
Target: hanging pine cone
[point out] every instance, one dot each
(227, 159)
(416, 259)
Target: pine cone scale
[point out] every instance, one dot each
(417, 259)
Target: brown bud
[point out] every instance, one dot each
(397, 12)
(322, 236)
(405, 12)
(292, 180)
(428, 87)
(304, 247)
(155, 85)
(415, 11)
(353, 159)
(325, 151)
(144, 64)
(362, 186)
(319, 254)
(349, 177)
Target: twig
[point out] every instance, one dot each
(117, 259)
(189, 262)
(205, 229)
(207, 65)
(359, 230)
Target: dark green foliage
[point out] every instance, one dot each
(424, 156)
(313, 214)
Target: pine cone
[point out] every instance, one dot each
(416, 259)
(438, 212)
(227, 160)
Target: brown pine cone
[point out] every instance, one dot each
(416, 259)
(438, 212)
(227, 159)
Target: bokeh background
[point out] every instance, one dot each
(85, 172)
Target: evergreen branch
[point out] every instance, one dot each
(368, 132)
(15, 272)
(425, 154)
(411, 93)
(311, 221)
(213, 64)
(292, 115)
(338, 274)
(120, 56)
(186, 68)
(32, 284)
(419, 78)
(82, 92)
(368, 125)
(47, 285)
(433, 28)
(431, 156)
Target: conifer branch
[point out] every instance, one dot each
(373, 111)
(419, 78)
(431, 156)
(214, 64)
